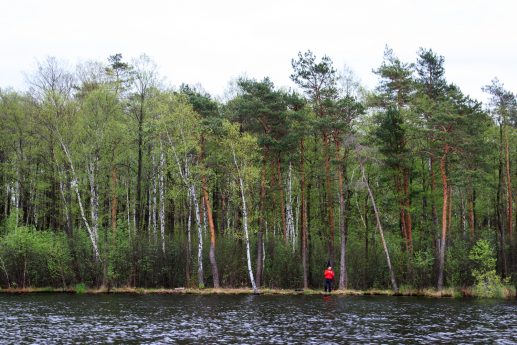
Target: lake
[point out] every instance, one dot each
(247, 319)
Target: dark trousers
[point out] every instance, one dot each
(328, 285)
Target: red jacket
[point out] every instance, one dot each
(329, 274)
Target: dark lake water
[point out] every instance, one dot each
(189, 319)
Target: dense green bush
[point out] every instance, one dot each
(35, 258)
(487, 282)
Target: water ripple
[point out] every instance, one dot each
(129, 319)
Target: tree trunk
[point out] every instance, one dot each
(441, 258)
(245, 225)
(509, 212)
(128, 205)
(213, 261)
(379, 227)
(161, 187)
(433, 203)
(289, 209)
(260, 239)
(94, 195)
(401, 201)
(449, 210)
(114, 199)
(499, 208)
(282, 200)
(343, 276)
(153, 211)
(189, 243)
(92, 231)
(303, 215)
(200, 273)
(138, 208)
(407, 211)
(330, 204)
(210, 220)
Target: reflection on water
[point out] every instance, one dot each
(131, 319)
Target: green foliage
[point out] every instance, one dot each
(35, 258)
(482, 254)
(487, 282)
(281, 270)
(116, 134)
(456, 267)
(423, 262)
(80, 288)
(119, 256)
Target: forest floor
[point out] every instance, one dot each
(448, 292)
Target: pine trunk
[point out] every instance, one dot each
(445, 189)
(282, 200)
(213, 261)
(330, 204)
(407, 211)
(260, 237)
(509, 211)
(343, 276)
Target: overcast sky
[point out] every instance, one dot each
(212, 42)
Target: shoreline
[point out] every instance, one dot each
(431, 293)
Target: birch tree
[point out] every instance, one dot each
(262, 110)
(243, 150)
(145, 81)
(207, 109)
(53, 87)
(180, 126)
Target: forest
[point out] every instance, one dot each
(110, 178)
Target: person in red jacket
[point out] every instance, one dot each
(329, 278)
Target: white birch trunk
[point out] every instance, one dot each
(15, 196)
(94, 197)
(128, 210)
(263, 253)
(93, 235)
(155, 208)
(200, 274)
(133, 211)
(296, 220)
(189, 230)
(289, 207)
(245, 224)
(149, 216)
(184, 171)
(161, 187)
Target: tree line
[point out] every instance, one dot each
(110, 178)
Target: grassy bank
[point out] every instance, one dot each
(448, 292)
